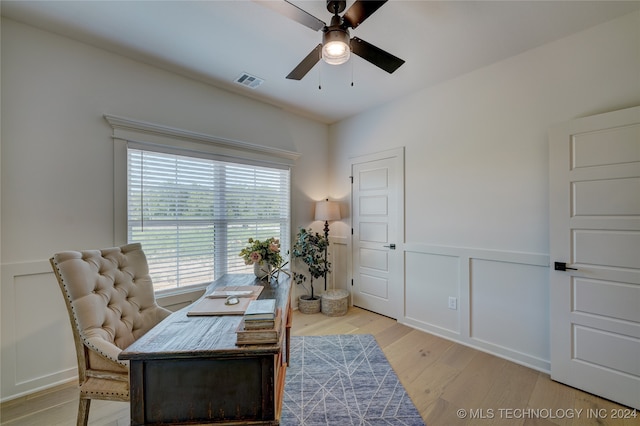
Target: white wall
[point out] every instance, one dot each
(57, 173)
(476, 182)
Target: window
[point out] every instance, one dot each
(193, 212)
(193, 199)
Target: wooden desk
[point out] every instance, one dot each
(188, 369)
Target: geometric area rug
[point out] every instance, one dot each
(343, 380)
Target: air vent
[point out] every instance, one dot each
(248, 80)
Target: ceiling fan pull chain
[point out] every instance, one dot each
(352, 73)
(320, 77)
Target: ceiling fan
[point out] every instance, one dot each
(336, 46)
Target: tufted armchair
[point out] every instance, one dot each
(111, 303)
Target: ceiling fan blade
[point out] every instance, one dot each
(307, 63)
(375, 55)
(293, 12)
(361, 10)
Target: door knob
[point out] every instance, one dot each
(391, 246)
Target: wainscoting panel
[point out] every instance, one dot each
(340, 267)
(338, 256)
(37, 343)
(41, 317)
(431, 279)
(509, 306)
(499, 300)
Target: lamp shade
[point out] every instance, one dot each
(327, 210)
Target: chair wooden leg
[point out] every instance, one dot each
(83, 411)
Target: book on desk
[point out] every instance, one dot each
(261, 309)
(260, 323)
(258, 336)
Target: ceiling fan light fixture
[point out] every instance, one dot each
(335, 47)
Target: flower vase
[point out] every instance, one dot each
(262, 269)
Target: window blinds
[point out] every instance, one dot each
(193, 215)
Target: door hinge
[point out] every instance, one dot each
(351, 179)
(351, 282)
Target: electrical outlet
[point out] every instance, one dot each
(453, 303)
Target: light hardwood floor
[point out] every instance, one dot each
(440, 376)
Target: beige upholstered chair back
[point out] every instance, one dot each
(111, 299)
(111, 303)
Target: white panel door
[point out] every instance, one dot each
(595, 230)
(378, 232)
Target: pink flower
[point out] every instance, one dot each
(274, 247)
(255, 257)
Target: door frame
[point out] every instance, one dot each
(397, 154)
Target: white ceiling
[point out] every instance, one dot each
(216, 41)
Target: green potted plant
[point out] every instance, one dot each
(309, 249)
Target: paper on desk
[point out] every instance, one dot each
(214, 303)
(223, 294)
(237, 291)
(215, 307)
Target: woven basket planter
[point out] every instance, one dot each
(335, 302)
(309, 306)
